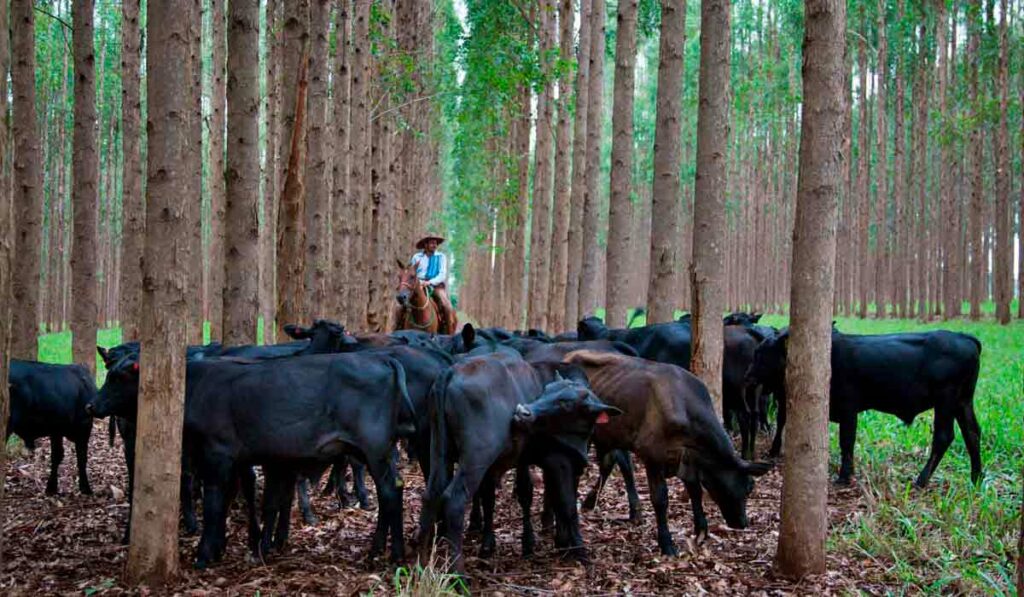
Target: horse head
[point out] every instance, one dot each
(409, 285)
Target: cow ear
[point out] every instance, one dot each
(756, 317)
(468, 335)
(103, 354)
(295, 331)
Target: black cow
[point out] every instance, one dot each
(899, 374)
(481, 413)
(292, 415)
(49, 401)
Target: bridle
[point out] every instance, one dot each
(424, 307)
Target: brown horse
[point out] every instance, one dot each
(416, 308)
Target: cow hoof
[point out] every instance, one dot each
(51, 489)
(86, 490)
(669, 550)
(311, 520)
(589, 503)
(201, 563)
(365, 505)
(842, 482)
(487, 549)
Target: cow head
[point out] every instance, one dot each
(769, 366)
(325, 336)
(111, 356)
(567, 406)
(591, 328)
(119, 395)
(730, 485)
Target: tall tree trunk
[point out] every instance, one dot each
(521, 134)
(591, 265)
(271, 181)
(665, 193)
(359, 143)
(215, 291)
(808, 365)
(947, 268)
(976, 158)
(28, 184)
(85, 166)
(863, 172)
(882, 198)
(620, 215)
(1020, 285)
(343, 208)
(153, 554)
(1003, 253)
(898, 289)
(540, 231)
(291, 217)
(134, 212)
(563, 208)
(579, 168)
(241, 285)
(6, 237)
(709, 226)
(195, 182)
(318, 187)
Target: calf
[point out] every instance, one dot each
(49, 401)
(898, 374)
(670, 423)
(481, 413)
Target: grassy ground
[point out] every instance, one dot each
(950, 538)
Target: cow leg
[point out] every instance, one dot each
(476, 515)
(625, 463)
(216, 474)
(659, 500)
(780, 424)
(606, 462)
(971, 431)
(524, 494)
(748, 422)
(56, 457)
(247, 482)
(82, 458)
(188, 512)
(486, 495)
(560, 483)
(284, 518)
(942, 437)
(389, 508)
(302, 488)
(359, 484)
(462, 487)
(700, 520)
(847, 438)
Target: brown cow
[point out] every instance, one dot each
(670, 423)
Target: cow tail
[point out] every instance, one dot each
(437, 402)
(406, 412)
(111, 430)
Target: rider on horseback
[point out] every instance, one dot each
(432, 268)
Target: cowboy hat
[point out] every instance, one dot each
(421, 243)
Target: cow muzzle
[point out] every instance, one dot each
(522, 415)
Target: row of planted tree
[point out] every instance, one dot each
(934, 140)
(311, 121)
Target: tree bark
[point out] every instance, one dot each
(319, 208)
(517, 281)
(271, 186)
(563, 207)
(359, 143)
(591, 265)
(134, 212)
(215, 286)
(153, 553)
(709, 226)
(946, 272)
(975, 164)
(579, 167)
(241, 285)
(342, 206)
(1003, 251)
(620, 214)
(291, 218)
(863, 173)
(194, 183)
(882, 198)
(85, 168)
(28, 183)
(808, 365)
(665, 193)
(898, 289)
(6, 237)
(540, 231)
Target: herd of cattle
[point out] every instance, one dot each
(471, 406)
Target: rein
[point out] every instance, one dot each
(426, 306)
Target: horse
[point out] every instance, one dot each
(417, 309)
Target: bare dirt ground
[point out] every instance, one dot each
(70, 544)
